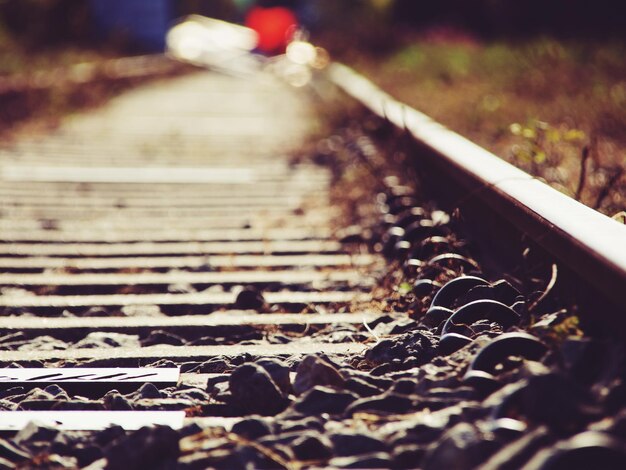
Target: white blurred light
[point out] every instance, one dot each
(198, 36)
(301, 52)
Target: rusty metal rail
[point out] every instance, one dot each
(499, 197)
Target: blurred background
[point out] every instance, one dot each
(542, 83)
(380, 23)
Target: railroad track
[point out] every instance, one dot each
(156, 213)
(169, 274)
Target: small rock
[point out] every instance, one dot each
(515, 455)
(408, 456)
(43, 343)
(189, 430)
(384, 383)
(387, 403)
(180, 288)
(254, 391)
(38, 394)
(279, 372)
(103, 339)
(417, 344)
(162, 337)
(108, 435)
(250, 298)
(361, 387)
(56, 391)
(191, 394)
(404, 386)
(460, 448)
(451, 343)
(549, 399)
(313, 371)
(115, 401)
(33, 432)
(304, 424)
(320, 400)
(142, 311)
(150, 447)
(38, 405)
(312, 446)
(252, 428)
(346, 444)
(148, 390)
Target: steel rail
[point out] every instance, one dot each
(591, 246)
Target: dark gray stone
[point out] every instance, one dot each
(387, 403)
(408, 456)
(417, 344)
(103, 339)
(404, 386)
(192, 394)
(33, 432)
(346, 444)
(452, 342)
(314, 370)
(516, 454)
(108, 435)
(162, 337)
(115, 401)
(361, 387)
(324, 400)
(550, 399)
(254, 392)
(148, 390)
(304, 424)
(252, 428)
(462, 447)
(279, 372)
(56, 391)
(312, 446)
(150, 447)
(250, 299)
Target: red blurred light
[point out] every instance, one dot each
(275, 27)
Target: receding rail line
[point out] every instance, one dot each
(588, 243)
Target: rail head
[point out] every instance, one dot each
(589, 243)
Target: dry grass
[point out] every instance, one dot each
(568, 99)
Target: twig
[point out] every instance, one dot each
(371, 332)
(582, 179)
(547, 290)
